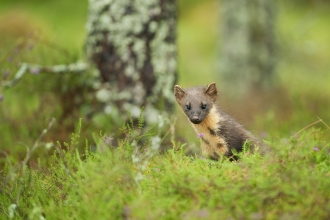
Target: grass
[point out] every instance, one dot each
(292, 182)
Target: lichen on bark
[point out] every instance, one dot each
(132, 44)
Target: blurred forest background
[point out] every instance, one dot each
(53, 32)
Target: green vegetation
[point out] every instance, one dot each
(104, 177)
(125, 183)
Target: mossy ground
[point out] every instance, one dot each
(292, 182)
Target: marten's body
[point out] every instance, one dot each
(220, 133)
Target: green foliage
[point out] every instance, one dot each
(291, 182)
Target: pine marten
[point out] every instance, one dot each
(220, 133)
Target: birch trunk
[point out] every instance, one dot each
(132, 44)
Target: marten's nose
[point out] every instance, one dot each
(195, 119)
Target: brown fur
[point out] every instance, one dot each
(220, 133)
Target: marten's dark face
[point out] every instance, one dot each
(196, 108)
(196, 102)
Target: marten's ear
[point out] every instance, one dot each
(179, 92)
(212, 91)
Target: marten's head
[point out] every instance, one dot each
(196, 102)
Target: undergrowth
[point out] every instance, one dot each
(133, 181)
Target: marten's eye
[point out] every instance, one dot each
(204, 106)
(188, 107)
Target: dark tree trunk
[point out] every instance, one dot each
(248, 44)
(132, 43)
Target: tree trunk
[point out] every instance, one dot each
(248, 48)
(132, 44)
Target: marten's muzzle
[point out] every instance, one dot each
(195, 119)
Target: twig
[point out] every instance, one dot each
(36, 143)
(324, 123)
(320, 120)
(35, 69)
